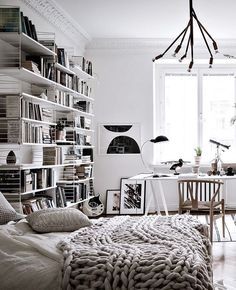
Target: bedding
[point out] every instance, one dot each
(29, 260)
(148, 252)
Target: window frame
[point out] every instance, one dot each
(159, 72)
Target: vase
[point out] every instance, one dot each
(60, 135)
(11, 158)
(197, 160)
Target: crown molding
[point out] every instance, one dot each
(153, 43)
(58, 17)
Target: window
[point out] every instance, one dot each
(194, 108)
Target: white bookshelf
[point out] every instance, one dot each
(66, 103)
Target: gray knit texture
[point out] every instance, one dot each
(148, 252)
(57, 220)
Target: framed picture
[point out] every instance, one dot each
(132, 196)
(119, 139)
(113, 201)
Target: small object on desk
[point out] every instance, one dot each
(160, 175)
(176, 166)
(230, 171)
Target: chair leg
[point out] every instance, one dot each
(211, 225)
(223, 217)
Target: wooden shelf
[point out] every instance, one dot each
(28, 44)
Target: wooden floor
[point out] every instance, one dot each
(224, 262)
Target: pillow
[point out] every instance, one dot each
(7, 212)
(57, 220)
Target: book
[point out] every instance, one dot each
(27, 26)
(10, 19)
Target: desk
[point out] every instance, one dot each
(161, 195)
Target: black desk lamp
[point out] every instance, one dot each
(158, 139)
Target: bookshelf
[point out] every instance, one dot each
(43, 89)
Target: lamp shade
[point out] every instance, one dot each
(158, 139)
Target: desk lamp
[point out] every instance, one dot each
(158, 139)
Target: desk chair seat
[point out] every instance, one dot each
(202, 195)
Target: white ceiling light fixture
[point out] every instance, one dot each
(188, 30)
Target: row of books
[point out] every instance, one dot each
(73, 193)
(62, 57)
(35, 204)
(9, 131)
(60, 97)
(78, 138)
(28, 27)
(9, 107)
(84, 106)
(52, 155)
(33, 133)
(10, 180)
(83, 63)
(33, 179)
(30, 65)
(77, 172)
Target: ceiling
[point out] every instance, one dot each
(150, 18)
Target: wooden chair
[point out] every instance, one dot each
(202, 195)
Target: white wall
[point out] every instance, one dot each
(123, 95)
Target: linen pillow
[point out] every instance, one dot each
(57, 220)
(7, 212)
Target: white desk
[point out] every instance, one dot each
(156, 196)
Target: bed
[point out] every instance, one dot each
(123, 252)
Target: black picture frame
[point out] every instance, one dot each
(113, 201)
(132, 196)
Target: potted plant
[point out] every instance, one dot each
(198, 154)
(60, 132)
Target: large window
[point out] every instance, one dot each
(194, 108)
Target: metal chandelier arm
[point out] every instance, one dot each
(162, 54)
(199, 23)
(190, 42)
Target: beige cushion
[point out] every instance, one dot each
(7, 212)
(58, 220)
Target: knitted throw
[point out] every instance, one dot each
(148, 252)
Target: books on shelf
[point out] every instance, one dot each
(28, 27)
(34, 179)
(62, 57)
(83, 63)
(30, 65)
(9, 19)
(9, 107)
(52, 155)
(35, 204)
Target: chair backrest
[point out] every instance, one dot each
(196, 190)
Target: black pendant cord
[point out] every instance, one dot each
(191, 33)
(181, 42)
(190, 42)
(199, 23)
(207, 45)
(186, 50)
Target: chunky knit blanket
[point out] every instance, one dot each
(148, 252)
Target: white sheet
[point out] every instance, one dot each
(29, 260)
